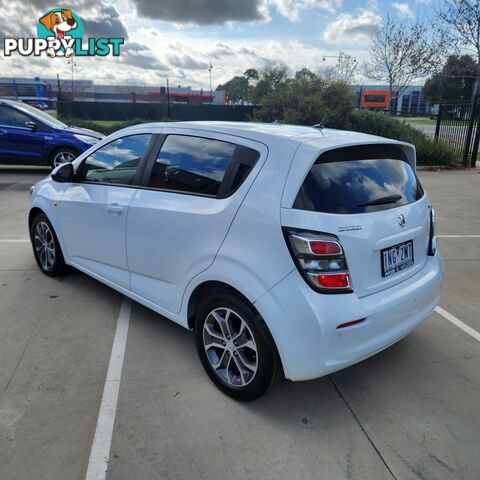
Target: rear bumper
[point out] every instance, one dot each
(304, 323)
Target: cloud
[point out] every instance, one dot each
(291, 8)
(187, 62)
(219, 12)
(144, 61)
(403, 9)
(353, 29)
(105, 23)
(139, 55)
(45, 5)
(134, 47)
(202, 12)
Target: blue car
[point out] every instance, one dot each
(29, 136)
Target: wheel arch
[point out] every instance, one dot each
(41, 205)
(32, 214)
(211, 286)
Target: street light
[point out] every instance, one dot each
(346, 59)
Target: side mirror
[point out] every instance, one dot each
(31, 125)
(63, 173)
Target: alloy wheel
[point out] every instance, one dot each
(44, 245)
(230, 347)
(63, 157)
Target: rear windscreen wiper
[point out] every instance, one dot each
(382, 201)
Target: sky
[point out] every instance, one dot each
(178, 39)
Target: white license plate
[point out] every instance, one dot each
(397, 258)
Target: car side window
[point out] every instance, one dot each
(117, 162)
(191, 164)
(13, 118)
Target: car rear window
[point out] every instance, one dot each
(349, 180)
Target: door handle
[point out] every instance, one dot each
(2, 132)
(115, 209)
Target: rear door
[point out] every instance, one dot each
(176, 224)
(369, 197)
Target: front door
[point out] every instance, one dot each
(19, 144)
(94, 209)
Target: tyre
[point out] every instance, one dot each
(62, 155)
(46, 248)
(235, 347)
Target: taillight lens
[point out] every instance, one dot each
(432, 243)
(320, 259)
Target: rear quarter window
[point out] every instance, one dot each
(359, 180)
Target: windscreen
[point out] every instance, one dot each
(42, 116)
(359, 180)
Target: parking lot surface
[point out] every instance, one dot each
(410, 412)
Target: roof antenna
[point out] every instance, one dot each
(320, 125)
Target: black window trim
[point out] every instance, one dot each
(225, 189)
(366, 151)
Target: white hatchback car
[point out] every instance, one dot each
(288, 250)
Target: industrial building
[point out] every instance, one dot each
(377, 97)
(45, 93)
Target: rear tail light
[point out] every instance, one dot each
(432, 243)
(320, 259)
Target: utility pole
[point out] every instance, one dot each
(210, 68)
(59, 94)
(168, 100)
(73, 64)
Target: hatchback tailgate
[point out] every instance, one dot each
(368, 197)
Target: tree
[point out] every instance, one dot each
(402, 52)
(270, 79)
(305, 99)
(459, 22)
(251, 74)
(237, 90)
(454, 81)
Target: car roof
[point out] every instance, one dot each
(13, 103)
(265, 131)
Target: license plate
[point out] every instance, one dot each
(397, 258)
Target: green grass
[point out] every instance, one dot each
(421, 121)
(429, 121)
(107, 123)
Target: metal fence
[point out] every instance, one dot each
(154, 111)
(458, 124)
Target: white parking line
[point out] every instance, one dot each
(463, 326)
(458, 236)
(14, 240)
(100, 453)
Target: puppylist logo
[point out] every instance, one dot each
(60, 34)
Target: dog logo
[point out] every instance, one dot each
(64, 26)
(401, 220)
(60, 34)
(60, 23)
